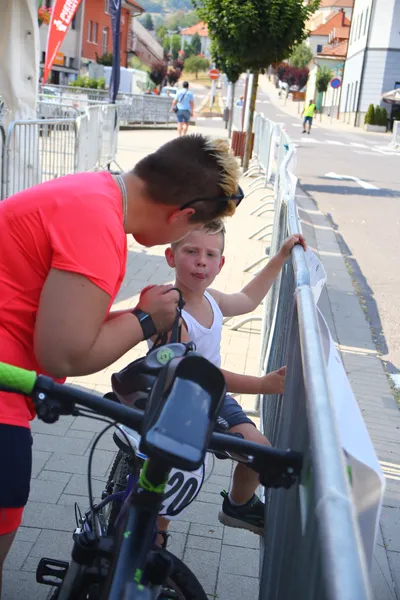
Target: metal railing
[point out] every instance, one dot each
(133, 108)
(55, 110)
(38, 150)
(312, 544)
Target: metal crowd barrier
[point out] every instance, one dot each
(38, 150)
(55, 110)
(133, 108)
(312, 548)
(395, 143)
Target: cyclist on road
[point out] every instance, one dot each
(62, 261)
(197, 260)
(308, 114)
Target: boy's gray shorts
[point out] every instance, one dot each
(233, 413)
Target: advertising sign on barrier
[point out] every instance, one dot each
(366, 478)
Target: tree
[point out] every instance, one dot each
(370, 116)
(293, 75)
(158, 72)
(187, 48)
(196, 64)
(324, 76)
(136, 63)
(267, 29)
(173, 75)
(196, 43)
(106, 59)
(147, 22)
(384, 117)
(161, 34)
(175, 46)
(232, 70)
(301, 56)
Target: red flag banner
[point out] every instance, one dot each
(62, 13)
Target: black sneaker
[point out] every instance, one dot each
(248, 516)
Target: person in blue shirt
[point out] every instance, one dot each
(183, 106)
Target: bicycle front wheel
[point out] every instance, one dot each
(182, 584)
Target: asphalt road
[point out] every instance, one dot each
(364, 208)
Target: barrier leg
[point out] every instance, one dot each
(244, 321)
(253, 212)
(254, 264)
(253, 235)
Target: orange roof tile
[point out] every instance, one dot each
(339, 50)
(200, 28)
(335, 21)
(337, 4)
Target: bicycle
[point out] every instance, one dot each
(176, 430)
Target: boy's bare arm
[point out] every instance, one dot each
(272, 383)
(253, 293)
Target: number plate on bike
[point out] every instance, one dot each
(182, 488)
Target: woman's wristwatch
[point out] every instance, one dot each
(146, 323)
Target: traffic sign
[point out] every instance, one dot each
(336, 83)
(213, 74)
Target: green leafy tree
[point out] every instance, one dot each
(105, 59)
(196, 64)
(188, 50)
(370, 116)
(232, 69)
(196, 43)
(378, 115)
(147, 22)
(384, 116)
(139, 65)
(180, 20)
(268, 30)
(175, 45)
(324, 76)
(301, 56)
(161, 34)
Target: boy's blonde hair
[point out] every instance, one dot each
(212, 228)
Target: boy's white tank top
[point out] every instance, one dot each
(208, 341)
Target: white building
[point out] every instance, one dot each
(202, 29)
(373, 58)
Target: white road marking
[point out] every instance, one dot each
(296, 125)
(334, 143)
(366, 153)
(307, 140)
(357, 145)
(363, 184)
(385, 151)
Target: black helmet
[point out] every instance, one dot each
(133, 384)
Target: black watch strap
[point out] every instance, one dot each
(146, 322)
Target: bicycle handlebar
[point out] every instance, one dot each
(52, 399)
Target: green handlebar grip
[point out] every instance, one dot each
(21, 380)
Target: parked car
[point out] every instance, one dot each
(168, 91)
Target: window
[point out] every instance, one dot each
(319, 48)
(107, 6)
(355, 97)
(89, 31)
(347, 98)
(43, 57)
(360, 28)
(396, 85)
(366, 21)
(71, 63)
(73, 23)
(94, 32)
(104, 41)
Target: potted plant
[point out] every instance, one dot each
(375, 119)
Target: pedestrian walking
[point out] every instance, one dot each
(308, 114)
(183, 106)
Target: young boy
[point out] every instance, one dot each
(197, 260)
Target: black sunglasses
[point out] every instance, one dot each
(236, 198)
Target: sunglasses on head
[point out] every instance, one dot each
(236, 198)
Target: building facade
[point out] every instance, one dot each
(373, 59)
(144, 45)
(97, 32)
